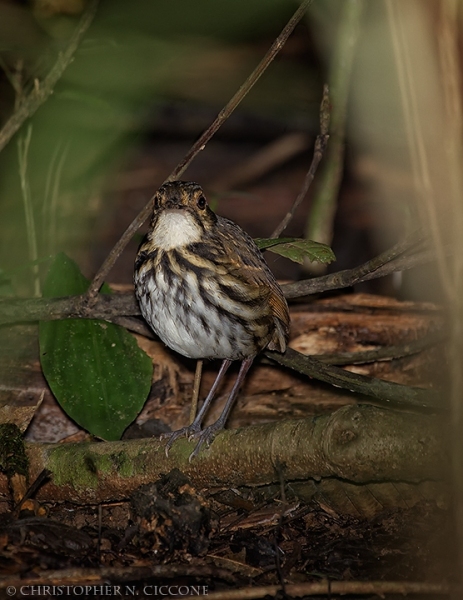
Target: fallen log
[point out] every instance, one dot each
(359, 444)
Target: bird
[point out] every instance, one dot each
(205, 289)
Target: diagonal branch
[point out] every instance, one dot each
(194, 151)
(319, 149)
(42, 90)
(385, 393)
(393, 259)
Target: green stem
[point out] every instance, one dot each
(23, 153)
(320, 222)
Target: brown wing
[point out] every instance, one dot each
(244, 257)
(279, 305)
(249, 266)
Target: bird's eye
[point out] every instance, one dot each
(201, 203)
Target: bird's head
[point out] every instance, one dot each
(181, 215)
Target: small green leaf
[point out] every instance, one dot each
(297, 249)
(95, 369)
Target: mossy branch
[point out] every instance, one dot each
(355, 443)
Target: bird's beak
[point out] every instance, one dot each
(174, 203)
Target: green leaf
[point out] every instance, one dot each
(95, 369)
(297, 249)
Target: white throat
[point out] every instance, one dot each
(175, 228)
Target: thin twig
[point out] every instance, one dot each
(51, 196)
(194, 151)
(15, 76)
(350, 277)
(393, 259)
(42, 90)
(196, 385)
(23, 155)
(319, 150)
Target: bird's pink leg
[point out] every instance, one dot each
(208, 434)
(194, 429)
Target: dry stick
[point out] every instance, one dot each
(199, 145)
(195, 395)
(42, 90)
(15, 79)
(319, 150)
(328, 588)
(112, 307)
(80, 576)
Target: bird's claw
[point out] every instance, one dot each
(189, 432)
(205, 436)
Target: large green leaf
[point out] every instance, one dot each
(297, 249)
(96, 370)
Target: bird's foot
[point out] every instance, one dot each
(205, 437)
(192, 432)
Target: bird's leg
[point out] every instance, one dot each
(195, 427)
(208, 434)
